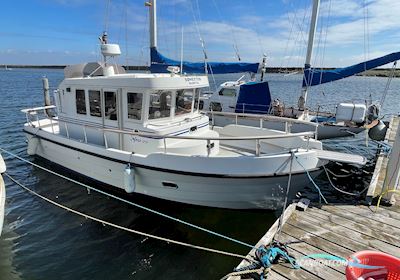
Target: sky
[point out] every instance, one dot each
(60, 32)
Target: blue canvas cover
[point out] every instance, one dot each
(254, 98)
(314, 77)
(159, 64)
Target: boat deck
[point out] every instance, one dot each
(338, 230)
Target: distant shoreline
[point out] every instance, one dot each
(381, 72)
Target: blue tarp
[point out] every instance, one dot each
(254, 98)
(313, 77)
(159, 64)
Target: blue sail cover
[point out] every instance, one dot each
(254, 98)
(314, 77)
(159, 64)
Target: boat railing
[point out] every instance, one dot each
(308, 135)
(288, 122)
(55, 121)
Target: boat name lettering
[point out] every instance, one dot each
(139, 140)
(193, 80)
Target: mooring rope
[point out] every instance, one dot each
(312, 181)
(337, 175)
(121, 227)
(129, 202)
(342, 191)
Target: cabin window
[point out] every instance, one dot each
(110, 104)
(135, 105)
(228, 92)
(160, 105)
(80, 101)
(183, 102)
(95, 103)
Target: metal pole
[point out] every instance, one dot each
(311, 37)
(258, 147)
(84, 133)
(47, 101)
(153, 22)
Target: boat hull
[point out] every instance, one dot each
(259, 192)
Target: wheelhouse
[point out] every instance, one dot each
(162, 104)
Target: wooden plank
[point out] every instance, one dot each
(330, 236)
(272, 275)
(293, 274)
(394, 208)
(361, 220)
(301, 249)
(387, 211)
(368, 213)
(368, 241)
(372, 231)
(316, 241)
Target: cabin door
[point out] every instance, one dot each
(111, 116)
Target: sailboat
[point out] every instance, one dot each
(143, 133)
(250, 98)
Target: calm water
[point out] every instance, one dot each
(40, 241)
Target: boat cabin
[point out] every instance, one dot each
(159, 104)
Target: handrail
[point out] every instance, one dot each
(263, 117)
(38, 109)
(209, 145)
(157, 136)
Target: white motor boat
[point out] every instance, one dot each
(2, 193)
(143, 133)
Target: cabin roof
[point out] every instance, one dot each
(140, 80)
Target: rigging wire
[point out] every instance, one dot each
(387, 86)
(126, 35)
(366, 44)
(326, 38)
(127, 201)
(106, 14)
(235, 45)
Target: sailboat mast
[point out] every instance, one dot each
(153, 22)
(311, 37)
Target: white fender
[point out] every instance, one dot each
(129, 179)
(2, 165)
(33, 143)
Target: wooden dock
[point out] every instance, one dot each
(386, 173)
(340, 230)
